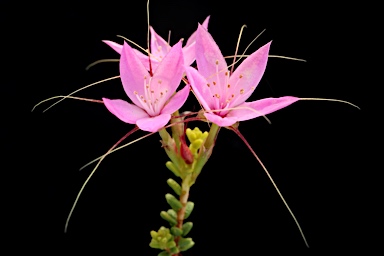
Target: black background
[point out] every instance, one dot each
(316, 151)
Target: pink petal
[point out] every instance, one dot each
(115, 46)
(209, 59)
(153, 124)
(200, 88)
(143, 57)
(205, 23)
(250, 110)
(168, 74)
(176, 101)
(192, 38)
(145, 60)
(189, 53)
(132, 74)
(125, 111)
(189, 50)
(220, 121)
(159, 47)
(248, 75)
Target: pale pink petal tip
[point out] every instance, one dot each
(153, 124)
(125, 111)
(250, 110)
(115, 46)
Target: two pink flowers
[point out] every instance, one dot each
(222, 94)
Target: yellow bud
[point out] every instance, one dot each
(153, 234)
(198, 133)
(191, 135)
(204, 135)
(196, 144)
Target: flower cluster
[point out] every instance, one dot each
(151, 82)
(221, 93)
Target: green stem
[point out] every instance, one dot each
(185, 187)
(206, 151)
(170, 148)
(213, 132)
(178, 129)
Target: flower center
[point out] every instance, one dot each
(153, 99)
(226, 95)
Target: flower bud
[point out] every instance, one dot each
(185, 152)
(190, 134)
(162, 239)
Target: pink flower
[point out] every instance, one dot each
(222, 94)
(160, 48)
(154, 98)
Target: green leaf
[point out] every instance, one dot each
(173, 202)
(168, 218)
(176, 231)
(164, 253)
(186, 228)
(154, 244)
(188, 209)
(172, 213)
(171, 244)
(173, 168)
(174, 250)
(153, 234)
(175, 186)
(185, 244)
